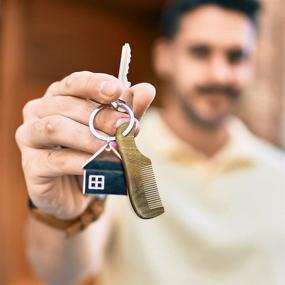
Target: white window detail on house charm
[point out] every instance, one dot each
(96, 182)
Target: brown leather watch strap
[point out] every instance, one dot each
(74, 226)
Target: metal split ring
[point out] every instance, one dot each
(115, 105)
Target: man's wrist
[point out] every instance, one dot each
(74, 226)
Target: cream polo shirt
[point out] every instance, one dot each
(224, 217)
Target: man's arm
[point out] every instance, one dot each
(60, 118)
(61, 261)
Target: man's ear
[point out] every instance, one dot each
(161, 58)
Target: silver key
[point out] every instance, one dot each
(124, 65)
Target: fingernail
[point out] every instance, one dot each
(114, 145)
(108, 87)
(122, 121)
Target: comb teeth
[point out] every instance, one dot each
(150, 187)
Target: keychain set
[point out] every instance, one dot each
(127, 171)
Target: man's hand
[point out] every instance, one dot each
(55, 140)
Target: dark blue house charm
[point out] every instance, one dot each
(103, 175)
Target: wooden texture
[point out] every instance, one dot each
(142, 188)
(43, 41)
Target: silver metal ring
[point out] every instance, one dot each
(116, 106)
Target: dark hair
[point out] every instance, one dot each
(173, 12)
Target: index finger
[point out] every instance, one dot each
(99, 87)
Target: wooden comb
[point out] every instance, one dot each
(142, 188)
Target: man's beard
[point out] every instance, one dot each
(229, 91)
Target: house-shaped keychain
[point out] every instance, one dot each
(104, 174)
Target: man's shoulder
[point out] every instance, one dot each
(269, 154)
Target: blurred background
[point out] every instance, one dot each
(42, 41)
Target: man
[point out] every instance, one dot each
(222, 188)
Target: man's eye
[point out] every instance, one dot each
(237, 56)
(199, 51)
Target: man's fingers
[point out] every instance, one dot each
(47, 163)
(63, 120)
(71, 107)
(58, 197)
(143, 95)
(56, 130)
(104, 89)
(100, 87)
(76, 109)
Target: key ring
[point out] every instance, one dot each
(115, 105)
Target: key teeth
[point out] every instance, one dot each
(125, 64)
(128, 56)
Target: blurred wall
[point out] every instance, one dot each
(263, 107)
(43, 41)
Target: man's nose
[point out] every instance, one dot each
(220, 71)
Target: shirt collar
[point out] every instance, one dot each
(237, 151)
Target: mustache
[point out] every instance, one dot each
(229, 90)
